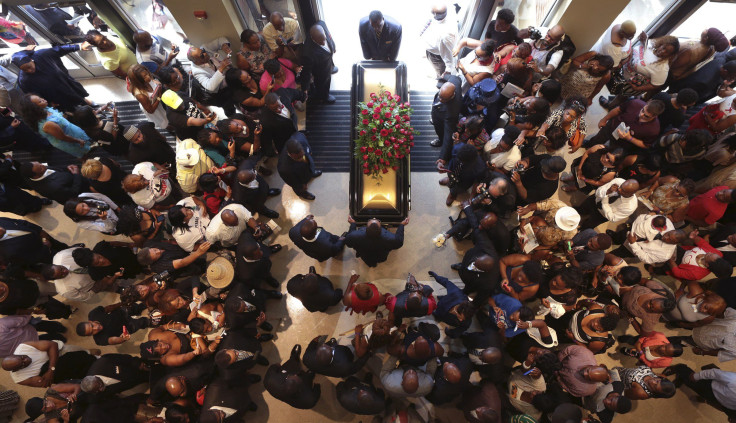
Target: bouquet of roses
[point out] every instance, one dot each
(384, 133)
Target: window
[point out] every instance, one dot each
(154, 17)
(532, 12)
(642, 12)
(710, 15)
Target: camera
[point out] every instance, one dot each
(484, 194)
(534, 33)
(161, 278)
(520, 169)
(102, 206)
(517, 108)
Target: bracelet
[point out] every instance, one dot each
(523, 364)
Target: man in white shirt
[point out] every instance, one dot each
(616, 42)
(440, 36)
(653, 239)
(406, 381)
(211, 75)
(716, 386)
(151, 53)
(70, 279)
(27, 360)
(228, 224)
(612, 202)
(550, 51)
(283, 35)
(501, 151)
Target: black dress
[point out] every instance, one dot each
(113, 187)
(119, 257)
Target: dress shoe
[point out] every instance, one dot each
(264, 171)
(266, 326)
(274, 295)
(46, 202)
(78, 245)
(252, 407)
(330, 99)
(445, 182)
(272, 192)
(334, 69)
(273, 282)
(312, 269)
(604, 102)
(275, 248)
(450, 199)
(456, 266)
(265, 337)
(254, 378)
(436, 143)
(306, 195)
(270, 213)
(263, 361)
(316, 174)
(296, 351)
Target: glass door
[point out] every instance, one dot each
(47, 26)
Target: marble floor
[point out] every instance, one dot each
(293, 324)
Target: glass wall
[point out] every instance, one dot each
(710, 15)
(154, 17)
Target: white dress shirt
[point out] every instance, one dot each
(605, 46)
(723, 385)
(187, 239)
(440, 38)
(391, 378)
(38, 359)
(75, 286)
(651, 251)
(621, 208)
(228, 236)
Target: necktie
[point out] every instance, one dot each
(657, 237)
(378, 33)
(429, 22)
(613, 198)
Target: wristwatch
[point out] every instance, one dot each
(53, 369)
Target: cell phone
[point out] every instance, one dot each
(528, 372)
(125, 330)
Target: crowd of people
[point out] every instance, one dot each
(512, 337)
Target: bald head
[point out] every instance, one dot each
(229, 218)
(410, 381)
(246, 176)
(629, 188)
(317, 33)
(491, 355)
(447, 92)
(373, 229)
(309, 228)
(439, 9)
(277, 20)
(485, 263)
(12, 363)
(595, 373)
(488, 221)
(143, 39)
(176, 386)
(556, 33)
(324, 355)
(194, 54)
(451, 373)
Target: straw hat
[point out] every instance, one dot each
(220, 272)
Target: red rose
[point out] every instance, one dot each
(411, 137)
(370, 149)
(374, 130)
(373, 138)
(384, 132)
(376, 116)
(387, 143)
(384, 170)
(395, 167)
(407, 105)
(366, 171)
(373, 95)
(388, 93)
(363, 149)
(387, 115)
(362, 132)
(397, 126)
(365, 121)
(369, 104)
(396, 146)
(375, 167)
(377, 109)
(365, 164)
(384, 104)
(379, 152)
(388, 154)
(411, 144)
(364, 111)
(393, 139)
(365, 157)
(380, 122)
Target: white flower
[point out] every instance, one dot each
(439, 240)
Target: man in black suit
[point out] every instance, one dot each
(296, 166)
(278, 119)
(22, 242)
(485, 350)
(316, 59)
(373, 243)
(112, 374)
(380, 37)
(501, 195)
(15, 200)
(237, 354)
(479, 268)
(360, 398)
(497, 232)
(147, 144)
(315, 241)
(59, 184)
(330, 359)
(253, 261)
(251, 190)
(225, 402)
(289, 383)
(445, 114)
(245, 307)
(183, 381)
(314, 291)
(451, 378)
(723, 239)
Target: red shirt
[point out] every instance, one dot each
(706, 207)
(654, 339)
(213, 200)
(690, 272)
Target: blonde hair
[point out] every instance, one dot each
(92, 169)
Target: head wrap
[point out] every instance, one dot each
(22, 57)
(147, 352)
(715, 38)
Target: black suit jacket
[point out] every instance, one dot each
(719, 239)
(347, 396)
(246, 321)
(323, 297)
(254, 199)
(276, 128)
(317, 63)
(374, 251)
(122, 367)
(444, 391)
(243, 340)
(252, 273)
(220, 393)
(198, 372)
(26, 249)
(60, 186)
(387, 48)
(343, 362)
(294, 173)
(504, 205)
(483, 282)
(307, 393)
(325, 246)
(445, 117)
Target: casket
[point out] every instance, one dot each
(389, 198)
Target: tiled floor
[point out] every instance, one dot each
(295, 325)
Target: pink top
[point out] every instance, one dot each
(656, 338)
(289, 81)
